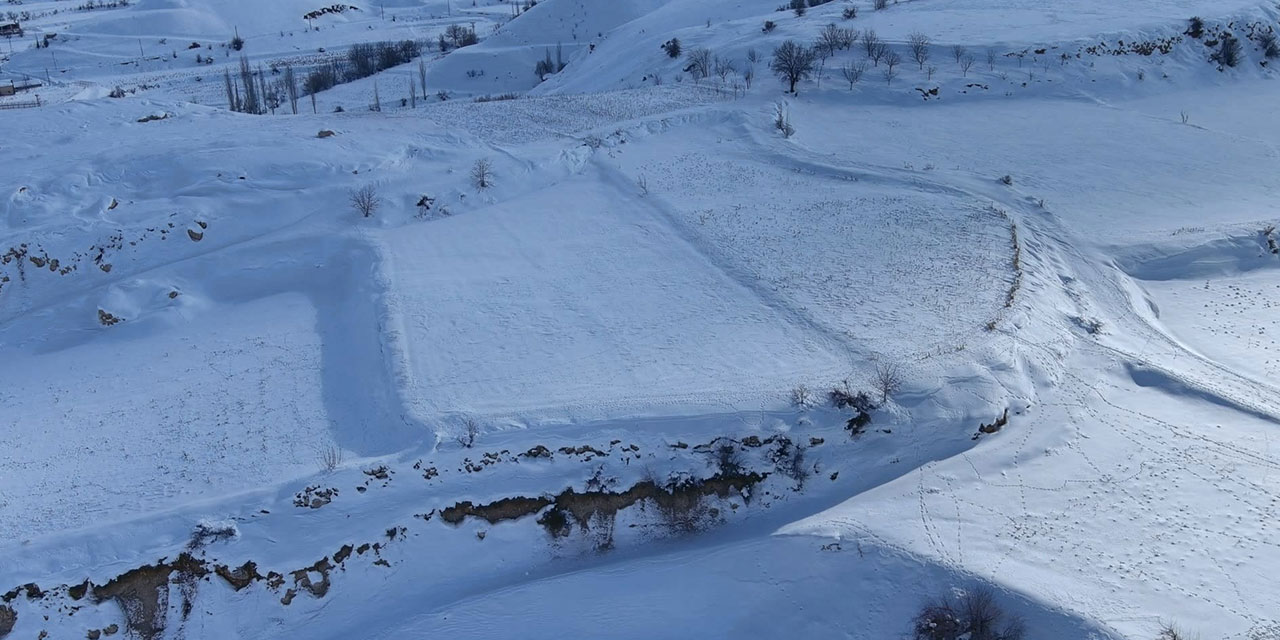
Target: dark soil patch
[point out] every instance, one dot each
(494, 512)
(8, 618)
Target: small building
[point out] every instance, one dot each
(7, 90)
(10, 29)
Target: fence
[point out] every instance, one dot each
(19, 105)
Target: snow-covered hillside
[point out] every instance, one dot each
(628, 348)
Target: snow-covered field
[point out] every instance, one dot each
(588, 396)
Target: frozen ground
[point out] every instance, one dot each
(562, 404)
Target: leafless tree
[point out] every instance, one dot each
(991, 59)
(422, 77)
(470, 431)
(1168, 631)
(365, 200)
(793, 62)
(958, 52)
(966, 63)
(413, 93)
(699, 65)
(837, 38)
(801, 397)
(891, 62)
(877, 50)
(887, 380)
(291, 88)
(723, 68)
(870, 41)
(929, 72)
(853, 72)
(482, 174)
(919, 45)
(881, 4)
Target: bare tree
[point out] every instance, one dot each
(470, 431)
(836, 38)
(958, 52)
(482, 174)
(853, 72)
(881, 4)
(930, 71)
(966, 63)
(802, 398)
(723, 68)
(422, 77)
(1168, 631)
(699, 63)
(887, 381)
(919, 44)
(413, 93)
(991, 59)
(891, 62)
(365, 200)
(793, 62)
(870, 41)
(291, 88)
(875, 47)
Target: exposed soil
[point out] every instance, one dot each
(8, 618)
(679, 503)
(143, 593)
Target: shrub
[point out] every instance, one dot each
(1195, 27)
(672, 47)
(850, 12)
(1006, 180)
(329, 458)
(1270, 49)
(237, 43)
(881, 4)
(769, 25)
(843, 397)
(971, 615)
(1228, 53)
(799, 7)
(207, 531)
(781, 121)
(728, 459)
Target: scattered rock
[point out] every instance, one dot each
(107, 319)
(537, 452)
(325, 133)
(196, 236)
